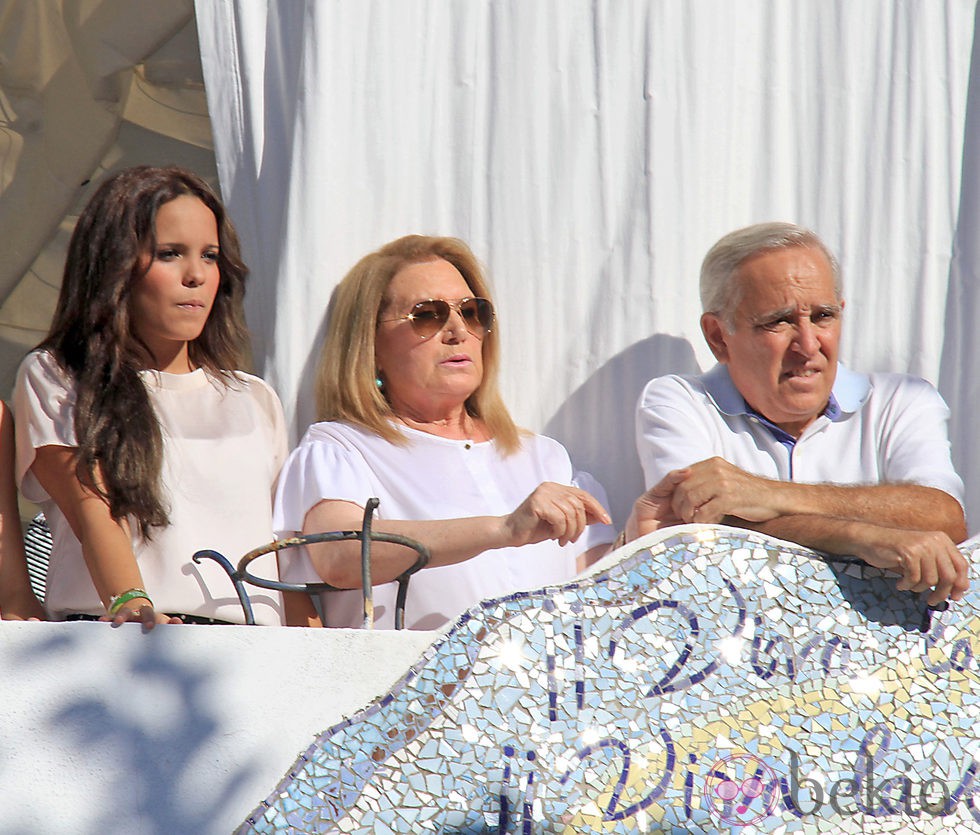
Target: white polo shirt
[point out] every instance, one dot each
(877, 428)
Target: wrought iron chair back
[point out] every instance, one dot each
(241, 575)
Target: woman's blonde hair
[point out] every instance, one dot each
(346, 387)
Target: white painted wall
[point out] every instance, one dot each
(179, 731)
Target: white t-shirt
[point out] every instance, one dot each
(223, 447)
(879, 428)
(429, 478)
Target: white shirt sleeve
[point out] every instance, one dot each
(671, 430)
(44, 415)
(913, 440)
(317, 470)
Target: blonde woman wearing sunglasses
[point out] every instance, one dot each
(411, 413)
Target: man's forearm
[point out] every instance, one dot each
(905, 506)
(821, 533)
(712, 489)
(927, 561)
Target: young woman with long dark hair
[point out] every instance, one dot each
(136, 432)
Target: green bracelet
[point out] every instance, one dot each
(117, 601)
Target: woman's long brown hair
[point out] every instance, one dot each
(120, 446)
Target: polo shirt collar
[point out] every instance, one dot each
(850, 391)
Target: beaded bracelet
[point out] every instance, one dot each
(117, 601)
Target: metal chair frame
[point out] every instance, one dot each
(241, 575)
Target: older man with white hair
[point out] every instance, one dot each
(781, 438)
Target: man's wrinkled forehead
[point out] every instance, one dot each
(784, 276)
(749, 265)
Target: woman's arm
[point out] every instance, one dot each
(17, 598)
(552, 511)
(106, 542)
(297, 607)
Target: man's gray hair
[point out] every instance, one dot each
(720, 294)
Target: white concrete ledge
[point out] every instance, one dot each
(181, 730)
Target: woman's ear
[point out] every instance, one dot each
(715, 335)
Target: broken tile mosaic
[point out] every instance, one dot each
(714, 681)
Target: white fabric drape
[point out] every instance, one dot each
(590, 151)
(84, 87)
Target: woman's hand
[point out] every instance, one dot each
(106, 542)
(22, 606)
(553, 511)
(139, 610)
(654, 509)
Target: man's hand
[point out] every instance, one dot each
(653, 510)
(927, 560)
(710, 490)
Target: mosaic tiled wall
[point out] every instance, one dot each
(717, 681)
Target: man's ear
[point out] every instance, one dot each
(715, 334)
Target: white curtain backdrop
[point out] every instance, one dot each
(590, 151)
